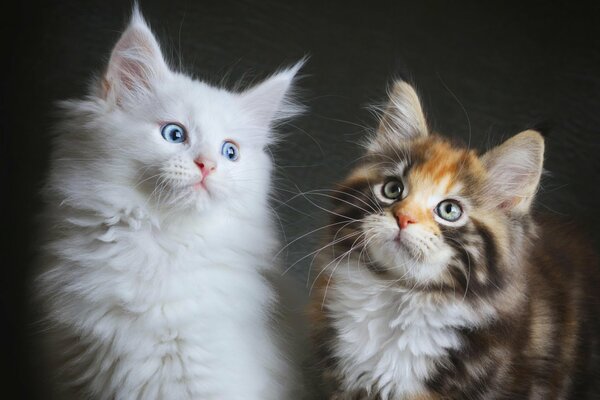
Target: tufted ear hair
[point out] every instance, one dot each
(136, 63)
(271, 100)
(402, 117)
(514, 169)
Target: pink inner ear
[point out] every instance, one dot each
(136, 60)
(134, 57)
(507, 204)
(133, 73)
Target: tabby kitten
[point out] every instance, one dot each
(439, 283)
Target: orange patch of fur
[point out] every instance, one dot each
(444, 163)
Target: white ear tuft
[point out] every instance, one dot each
(136, 15)
(135, 64)
(514, 170)
(271, 101)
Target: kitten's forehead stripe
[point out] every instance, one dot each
(432, 162)
(438, 161)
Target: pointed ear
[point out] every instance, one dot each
(136, 63)
(514, 169)
(270, 101)
(402, 118)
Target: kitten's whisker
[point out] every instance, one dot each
(320, 249)
(311, 232)
(309, 135)
(332, 243)
(373, 202)
(327, 266)
(276, 216)
(362, 127)
(146, 179)
(338, 199)
(326, 210)
(344, 255)
(347, 194)
(365, 247)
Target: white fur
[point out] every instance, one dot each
(419, 255)
(390, 338)
(158, 288)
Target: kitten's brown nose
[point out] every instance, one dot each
(404, 220)
(206, 167)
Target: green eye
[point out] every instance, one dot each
(392, 189)
(450, 210)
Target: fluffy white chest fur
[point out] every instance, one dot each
(163, 314)
(388, 339)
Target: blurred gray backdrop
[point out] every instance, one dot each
(484, 71)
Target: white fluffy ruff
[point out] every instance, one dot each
(171, 309)
(389, 339)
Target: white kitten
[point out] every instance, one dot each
(160, 236)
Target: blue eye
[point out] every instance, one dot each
(173, 133)
(230, 151)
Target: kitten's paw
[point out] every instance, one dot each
(134, 218)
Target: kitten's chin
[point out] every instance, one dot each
(407, 249)
(207, 198)
(184, 199)
(203, 200)
(199, 186)
(400, 258)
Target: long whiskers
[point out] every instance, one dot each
(339, 260)
(311, 232)
(316, 252)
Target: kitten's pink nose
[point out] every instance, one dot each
(404, 220)
(206, 167)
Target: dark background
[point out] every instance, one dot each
(485, 72)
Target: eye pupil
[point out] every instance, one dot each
(449, 210)
(173, 133)
(230, 151)
(392, 189)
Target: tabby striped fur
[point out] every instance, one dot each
(500, 304)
